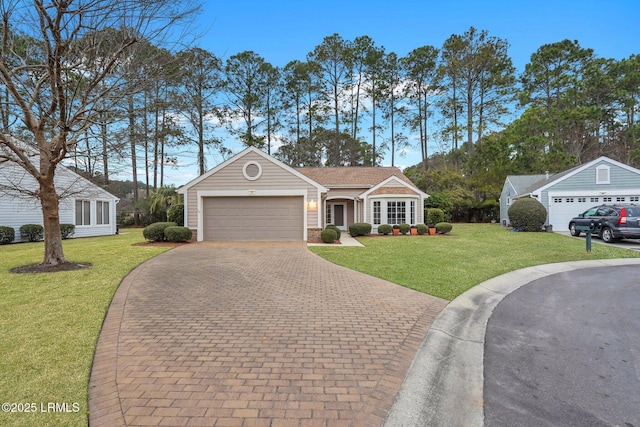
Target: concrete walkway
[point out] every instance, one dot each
(254, 334)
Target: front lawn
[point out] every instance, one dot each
(49, 325)
(448, 265)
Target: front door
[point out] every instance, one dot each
(339, 212)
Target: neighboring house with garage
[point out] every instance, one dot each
(253, 196)
(569, 193)
(90, 208)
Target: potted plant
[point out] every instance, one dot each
(396, 229)
(414, 230)
(434, 216)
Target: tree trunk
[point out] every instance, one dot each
(134, 166)
(49, 199)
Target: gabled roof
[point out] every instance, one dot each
(576, 169)
(521, 183)
(382, 188)
(524, 185)
(359, 177)
(183, 189)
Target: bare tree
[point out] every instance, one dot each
(57, 62)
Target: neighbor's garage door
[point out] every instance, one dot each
(562, 209)
(253, 218)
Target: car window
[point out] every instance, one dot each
(591, 212)
(603, 211)
(633, 211)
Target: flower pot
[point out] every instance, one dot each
(432, 231)
(396, 231)
(414, 231)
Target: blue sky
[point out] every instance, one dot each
(281, 31)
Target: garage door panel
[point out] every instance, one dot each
(253, 218)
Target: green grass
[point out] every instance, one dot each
(447, 265)
(49, 323)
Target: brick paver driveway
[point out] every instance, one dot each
(254, 334)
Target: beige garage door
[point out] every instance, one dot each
(253, 218)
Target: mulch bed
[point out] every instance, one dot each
(163, 244)
(43, 268)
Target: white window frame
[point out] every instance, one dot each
(377, 212)
(393, 210)
(85, 213)
(100, 214)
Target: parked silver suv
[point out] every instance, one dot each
(610, 222)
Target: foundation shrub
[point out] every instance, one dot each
(155, 231)
(328, 235)
(385, 229)
(359, 229)
(404, 228)
(176, 233)
(67, 230)
(32, 232)
(7, 235)
(337, 230)
(422, 229)
(527, 214)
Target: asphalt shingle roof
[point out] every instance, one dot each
(365, 177)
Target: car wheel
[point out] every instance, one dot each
(573, 230)
(606, 235)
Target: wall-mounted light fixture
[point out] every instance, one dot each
(312, 204)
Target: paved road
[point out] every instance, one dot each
(564, 350)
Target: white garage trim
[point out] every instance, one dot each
(201, 194)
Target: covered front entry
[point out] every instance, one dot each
(257, 218)
(339, 212)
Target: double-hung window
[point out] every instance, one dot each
(102, 212)
(83, 212)
(377, 213)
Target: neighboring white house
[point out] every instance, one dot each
(569, 193)
(253, 196)
(90, 208)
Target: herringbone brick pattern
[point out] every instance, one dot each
(254, 334)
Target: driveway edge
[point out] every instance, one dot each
(445, 383)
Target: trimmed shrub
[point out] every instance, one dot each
(177, 233)
(176, 213)
(422, 229)
(434, 216)
(337, 230)
(443, 227)
(527, 214)
(385, 229)
(404, 228)
(32, 232)
(359, 229)
(67, 230)
(155, 231)
(7, 235)
(328, 235)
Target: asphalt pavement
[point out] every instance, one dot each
(585, 370)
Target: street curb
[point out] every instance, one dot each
(445, 383)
